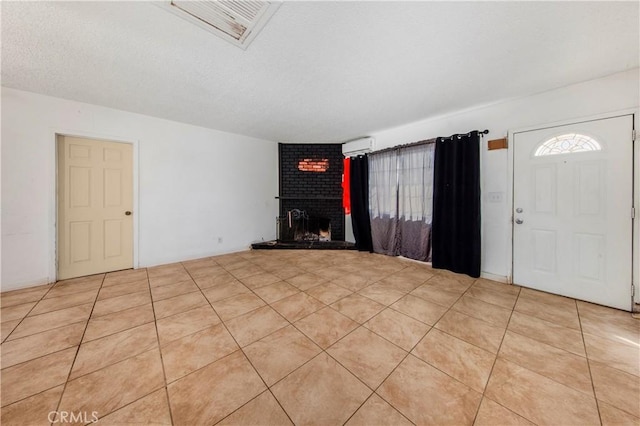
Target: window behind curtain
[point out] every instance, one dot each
(401, 201)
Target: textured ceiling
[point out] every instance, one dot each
(318, 71)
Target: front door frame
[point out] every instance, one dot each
(635, 253)
(53, 203)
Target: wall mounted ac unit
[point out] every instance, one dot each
(358, 147)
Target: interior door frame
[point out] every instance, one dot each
(53, 202)
(635, 253)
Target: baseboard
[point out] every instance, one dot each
(494, 277)
(23, 285)
(485, 275)
(189, 257)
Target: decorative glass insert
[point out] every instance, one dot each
(567, 144)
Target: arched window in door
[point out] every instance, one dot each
(567, 144)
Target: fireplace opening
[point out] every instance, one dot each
(298, 225)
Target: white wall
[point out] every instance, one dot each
(613, 93)
(194, 184)
(232, 179)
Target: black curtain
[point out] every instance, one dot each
(456, 204)
(359, 186)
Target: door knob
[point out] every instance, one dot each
(128, 213)
(519, 221)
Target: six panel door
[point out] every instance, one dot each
(95, 200)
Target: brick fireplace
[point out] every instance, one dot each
(310, 192)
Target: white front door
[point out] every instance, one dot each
(95, 199)
(572, 200)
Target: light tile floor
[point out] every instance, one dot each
(312, 337)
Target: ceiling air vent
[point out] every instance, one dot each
(238, 22)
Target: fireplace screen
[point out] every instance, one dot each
(297, 225)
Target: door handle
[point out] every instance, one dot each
(128, 213)
(519, 221)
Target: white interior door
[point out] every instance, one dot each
(95, 199)
(573, 196)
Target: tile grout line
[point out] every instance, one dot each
(512, 310)
(230, 334)
(112, 364)
(75, 357)
(399, 363)
(69, 347)
(120, 331)
(27, 314)
(373, 391)
(39, 357)
(475, 319)
(55, 310)
(546, 343)
(496, 359)
(420, 359)
(555, 347)
(362, 326)
(359, 325)
(395, 344)
(586, 354)
(101, 368)
(528, 369)
(304, 270)
(309, 360)
(188, 310)
(164, 373)
(243, 354)
(247, 403)
(40, 332)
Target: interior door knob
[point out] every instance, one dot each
(519, 221)
(128, 213)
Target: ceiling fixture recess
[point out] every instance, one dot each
(238, 22)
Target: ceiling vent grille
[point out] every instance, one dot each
(238, 22)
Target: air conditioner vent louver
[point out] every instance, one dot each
(236, 21)
(249, 10)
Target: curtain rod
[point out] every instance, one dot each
(429, 141)
(459, 135)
